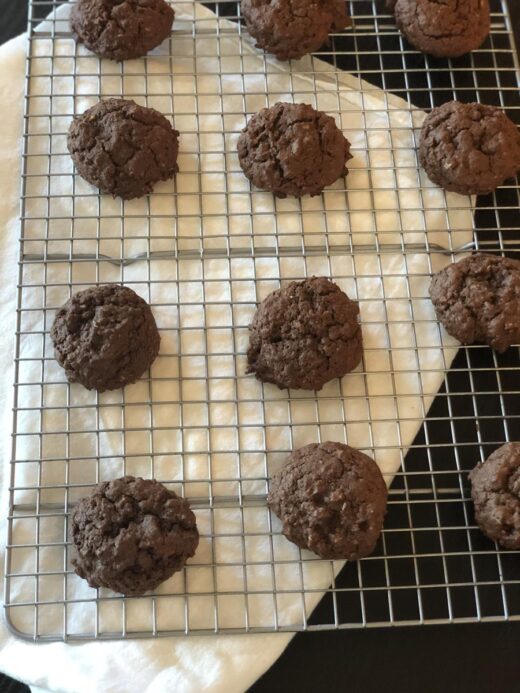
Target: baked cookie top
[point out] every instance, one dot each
(131, 534)
(443, 28)
(331, 499)
(105, 337)
(121, 29)
(469, 148)
(478, 300)
(495, 490)
(292, 149)
(292, 28)
(123, 148)
(304, 335)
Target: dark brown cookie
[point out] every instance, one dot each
(304, 335)
(105, 337)
(495, 489)
(443, 28)
(131, 534)
(292, 28)
(292, 149)
(331, 499)
(469, 148)
(478, 300)
(121, 29)
(122, 148)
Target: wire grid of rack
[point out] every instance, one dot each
(216, 438)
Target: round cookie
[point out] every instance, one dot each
(105, 337)
(495, 490)
(122, 148)
(121, 29)
(292, 149)
(304, 335)
(469, 148)
(478, 300)
(444, 29)
(331, 499)
(131, 534)
(292, 28)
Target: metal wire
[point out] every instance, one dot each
(432, 564)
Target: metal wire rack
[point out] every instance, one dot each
(204, 250)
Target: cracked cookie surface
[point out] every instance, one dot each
(293, 28)
(304, 335)
(292, 149)
(469, 148)
(122, 148)
(105, 337)
(478, 300)
(443, 28)
(331, 499)
(131, 534)
(121, 29)
(495, 490)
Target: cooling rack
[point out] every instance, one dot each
(204, 250)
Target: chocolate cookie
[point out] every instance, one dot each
(478, 300)
(495, 489)
(304, 335)
(443, 28)
(131, 534)
(331, 499)
(105, 337)
(122, 148)
(469, 148)
(293, 28)
(291, 149)
(121, 29)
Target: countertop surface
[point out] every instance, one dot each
(477, 658)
